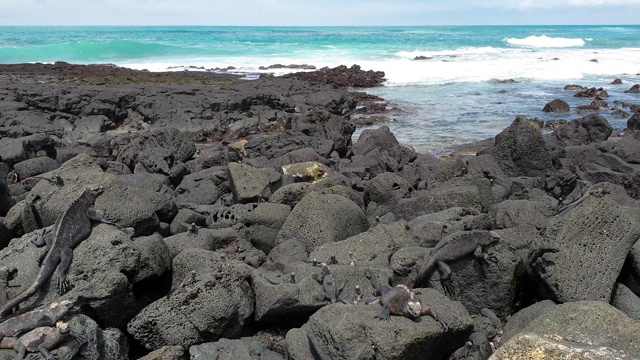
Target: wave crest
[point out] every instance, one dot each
(545, 41)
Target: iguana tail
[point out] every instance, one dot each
(47, 269)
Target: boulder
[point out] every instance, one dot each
(626, 148)
(635, 89)
(99, 282)
(590, 129)
(634, 122)
(319, 219)
(166, 353)
(249, 184)
(383, 192)
(155, 263)
(35, 166)
(510, 213)
(245, 348)
(201, 187)
(16, 150)
(430, 228)
(593, 93)
(183, 219)
(216, 305)
(379, 151)
(576, 330)
(521, 151)
(556, 106)
(258, 223)
(520, 320)
(178, 145)
(466, 193)
(349, 332)
(626, 301)
(582, 251)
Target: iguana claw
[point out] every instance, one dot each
(490, 259)
(63, 285)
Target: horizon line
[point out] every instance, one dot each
(305, 26)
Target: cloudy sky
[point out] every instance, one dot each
(317, 12)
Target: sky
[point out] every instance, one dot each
(318, 12)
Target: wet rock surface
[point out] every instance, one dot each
(247, 223)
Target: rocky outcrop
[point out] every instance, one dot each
(343, 76)
(556, 106)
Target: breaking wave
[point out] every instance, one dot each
(545, 41)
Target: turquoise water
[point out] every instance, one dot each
(451, 97)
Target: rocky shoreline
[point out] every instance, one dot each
(249, 225)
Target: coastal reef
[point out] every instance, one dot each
(196, 215)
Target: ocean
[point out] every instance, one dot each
(451, 97)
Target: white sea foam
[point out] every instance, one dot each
(447, 66)
(545, 41)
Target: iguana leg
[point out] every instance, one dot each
(385, 313)
(427, 310)
(369, 301)
(445, 275)
(20, 348)
(66, 255)
(45, 352)
(43, 240)
(480, 254)
(95, 216)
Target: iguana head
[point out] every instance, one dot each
(414, 309)
(62, 326)
(493, 237)
(92, 192)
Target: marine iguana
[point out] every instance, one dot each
(331, 292)
(597, 190)
(400, 300)
(462, 352)
(40, 339)
(43, 316)
(454, 247)
(71, 228)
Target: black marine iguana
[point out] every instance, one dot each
(71, 228)
(454, 247)
(400, 300)
(44, 316)
(331, 292)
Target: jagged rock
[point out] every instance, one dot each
(584, 329)
(616, 82)
(582, 251)
(632, 278)
(319, 219)
(556, 106)
(521, 151)
(170, 140)
(635, 89)
(343, 76)
(590, 129)
(379, 151)
(598, 93)
(300, 156)
(249, 184)
(347, 332)
(574, 87)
